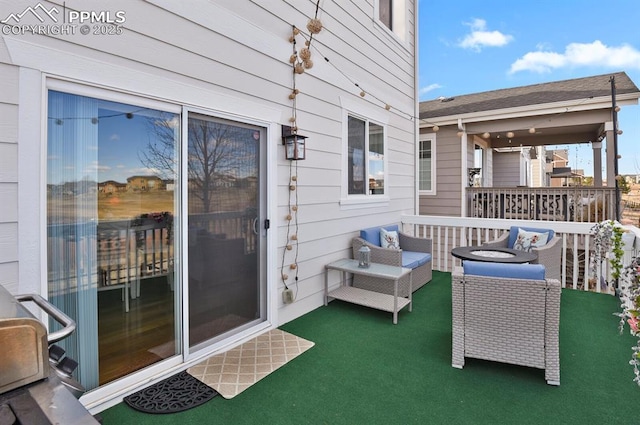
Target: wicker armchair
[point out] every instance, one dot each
(549, 255)
(506, 319)
(415, 253)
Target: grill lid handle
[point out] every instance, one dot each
(69, 325)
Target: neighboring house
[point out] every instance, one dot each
(632, 178)
(111, 186)
(558, 171)
(463, 133)
(193, 89)
(170, 185)
(145, 183)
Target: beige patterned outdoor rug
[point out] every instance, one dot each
(234, 371)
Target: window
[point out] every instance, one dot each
(426, 164)
(392, 15)
(366, 166)
(385, 9)
(478, 162)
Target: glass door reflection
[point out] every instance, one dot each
(223, 211)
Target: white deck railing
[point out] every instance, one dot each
(577, 243)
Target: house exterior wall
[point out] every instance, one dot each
(448, 176)
(536, 177)
(507, 169)
(538, 168)
(488, 171)
(231, 58)
(560, 160)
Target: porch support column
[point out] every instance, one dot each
(611, 154)
(597, 163)
(462, 132)
(465, 177)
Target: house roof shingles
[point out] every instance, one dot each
(558, 91)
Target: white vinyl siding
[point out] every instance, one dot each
(9, 177)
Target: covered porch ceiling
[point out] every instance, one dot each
(573, 128)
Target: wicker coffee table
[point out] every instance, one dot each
(493, 254)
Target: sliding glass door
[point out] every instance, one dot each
(111, 224)
(117, 258)
(226, 290)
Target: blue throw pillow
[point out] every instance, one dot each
(372, 234)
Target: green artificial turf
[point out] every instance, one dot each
(365, 370)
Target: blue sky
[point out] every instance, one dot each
(474, 46)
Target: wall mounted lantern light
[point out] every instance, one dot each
(294, 144)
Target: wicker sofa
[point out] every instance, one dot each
(507, 313)
(550, 255)
(414, 253)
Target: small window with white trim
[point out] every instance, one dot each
(365, 157)
(426, 164)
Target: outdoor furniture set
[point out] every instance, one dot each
(505, 304)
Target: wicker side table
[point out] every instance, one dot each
(391, 303)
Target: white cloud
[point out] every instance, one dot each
(429, 88)
(95, 166)
(480, 37)
(144, 171)
(578, 55)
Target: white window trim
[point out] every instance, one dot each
(424, 137)
(362, 110)
(80, 89)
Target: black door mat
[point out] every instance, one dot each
(175, 394)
